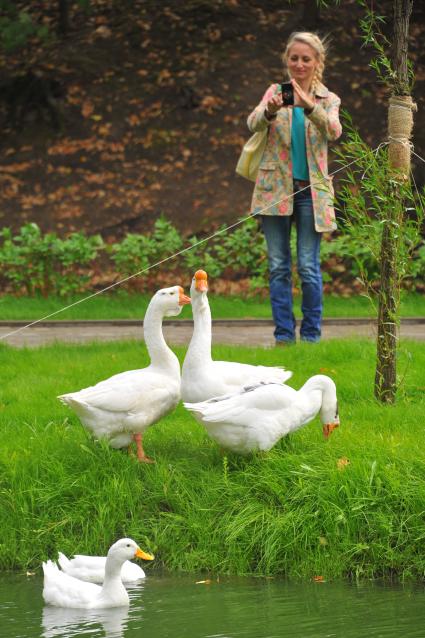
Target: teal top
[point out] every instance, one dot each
(299, 154)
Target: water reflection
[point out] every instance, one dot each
(57, 621)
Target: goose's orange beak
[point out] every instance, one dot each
(201, 281)
(140, 554)
(328, 428)
(183, 299)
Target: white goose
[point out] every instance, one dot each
(63, 590)
(203, 378)
(92, 568)
(122, 407)
(256, 417)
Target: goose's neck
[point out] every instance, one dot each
(160, 354)
(312, 395)
(305, 406)
(112, 584)
(200, 344)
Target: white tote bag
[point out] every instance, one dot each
(251, 155)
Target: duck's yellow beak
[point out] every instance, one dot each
(328, 428)
(201, 281)
(140, 554)
(183, 299)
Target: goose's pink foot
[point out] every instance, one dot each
(140, 451)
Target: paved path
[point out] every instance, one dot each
(256, 332)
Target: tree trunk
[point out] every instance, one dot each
(386, 370)
(400, 122)
(402, 13)
(63, 16)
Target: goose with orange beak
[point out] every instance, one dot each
(256, 417)
(204, 378)
(122, 407)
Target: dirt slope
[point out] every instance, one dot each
(153, 115)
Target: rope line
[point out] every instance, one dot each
(417, 190)
(400, 106)
(184, 250)
(375, 152)
(418, 156)
(401, 139)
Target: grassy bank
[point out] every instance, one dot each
(121, 305)
(352, 505)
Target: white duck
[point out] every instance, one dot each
(122, 407)
(203, 378)
(63, 590)
(256, 417)
(92, 568)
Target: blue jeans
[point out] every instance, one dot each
(277, 230)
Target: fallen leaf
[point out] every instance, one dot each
(214, 35)
(87, 108)
(342, 462)
(164, 78)
(105, 129)
(210, 103)
(318, 579)
(133, 120)
(103, 32)
(16, 168)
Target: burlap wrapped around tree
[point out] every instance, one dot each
(400, 126)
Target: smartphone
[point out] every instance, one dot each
(287, 93)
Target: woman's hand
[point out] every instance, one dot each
(301, 98)
(274, 104)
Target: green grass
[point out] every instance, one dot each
(292, 511)
(121, 305)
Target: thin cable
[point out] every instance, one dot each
(375, 152)
(418, 193)
(418, 156)
(162, 261)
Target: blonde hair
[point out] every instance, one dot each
(319, 47)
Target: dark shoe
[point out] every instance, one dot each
(280, 343)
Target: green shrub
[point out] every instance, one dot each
(46, 264)
(238, 253)
(135, 253)
(245, 247)
(203, 256)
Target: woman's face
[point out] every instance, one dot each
(302, 62)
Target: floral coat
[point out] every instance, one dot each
(274, 180)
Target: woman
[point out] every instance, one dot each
(293, 185)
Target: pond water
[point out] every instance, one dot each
(177, 607)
